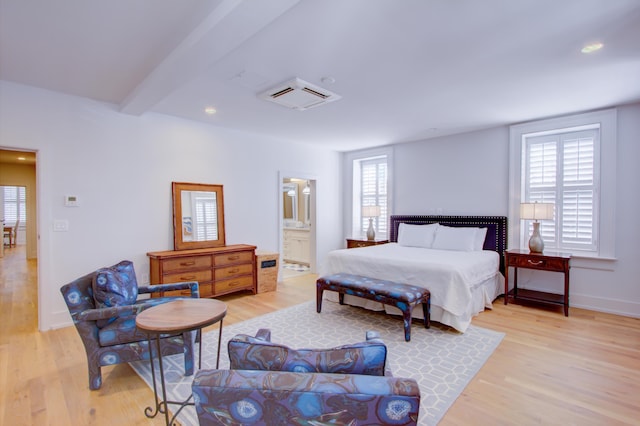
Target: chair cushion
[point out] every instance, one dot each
(115, 286)
(251, 353)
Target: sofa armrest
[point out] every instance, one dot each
(187, 285)
(244, 396)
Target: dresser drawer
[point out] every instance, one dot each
(537, 263)
(204, 289)
(233, 271)
(233, 258)
(234, 284)
(194, 262)
(200, 276)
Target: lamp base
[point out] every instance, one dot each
(371, 233)
(536, 244)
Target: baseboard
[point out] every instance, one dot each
(59, 319)
(601, 304)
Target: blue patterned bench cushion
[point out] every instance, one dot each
(402, 296)
(256, 353)
(288, 398)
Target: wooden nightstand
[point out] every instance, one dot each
(355, 243)
(547, 261)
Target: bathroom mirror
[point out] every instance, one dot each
(290, 201)
(198, 216)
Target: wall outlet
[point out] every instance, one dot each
(145, 278)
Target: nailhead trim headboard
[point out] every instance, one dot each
(495, 240)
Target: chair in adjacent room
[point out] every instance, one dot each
(11, 234)
(103, 305)
(270, 383)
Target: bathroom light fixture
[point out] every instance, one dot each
(306, 190)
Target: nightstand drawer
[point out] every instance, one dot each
(547, 264)
(353, 243)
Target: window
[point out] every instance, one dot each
(569, 162)
(373, 191)
(370, 172)
(561, 168)
(15, 205)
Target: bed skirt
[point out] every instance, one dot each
(482, 297)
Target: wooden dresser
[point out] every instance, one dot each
(219, 270)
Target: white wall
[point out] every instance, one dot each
(468, 175)
(121, 167)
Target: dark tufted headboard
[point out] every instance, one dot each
(495, 240)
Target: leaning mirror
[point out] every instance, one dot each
(198, 216)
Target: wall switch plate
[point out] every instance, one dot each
(60, 225)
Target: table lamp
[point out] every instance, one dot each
(371, 212)
(536, 211)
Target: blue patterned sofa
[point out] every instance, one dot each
(103, 305)
(272, 384)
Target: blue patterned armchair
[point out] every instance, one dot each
(103, 305)
(272, 384)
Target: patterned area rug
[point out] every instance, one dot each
(442, 361)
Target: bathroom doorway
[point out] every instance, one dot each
(297, 224)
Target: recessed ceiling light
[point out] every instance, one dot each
(590, 48)
(210, 110)
(22, 159)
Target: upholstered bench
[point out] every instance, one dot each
(402, 296)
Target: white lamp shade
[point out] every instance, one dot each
(371, 211)
(536, 211)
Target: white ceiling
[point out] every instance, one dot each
(406, 70)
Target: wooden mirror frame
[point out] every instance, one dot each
(178, 237)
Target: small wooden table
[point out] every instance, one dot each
(547, 261)
(355, 243)
(176, 317)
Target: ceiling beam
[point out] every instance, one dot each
(227, 27)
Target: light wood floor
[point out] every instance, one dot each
(581, 370)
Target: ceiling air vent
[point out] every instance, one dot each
(299, 94)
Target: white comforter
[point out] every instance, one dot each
(454, 278)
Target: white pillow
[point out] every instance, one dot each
(452, 238)
(416, 235)
(481, 234)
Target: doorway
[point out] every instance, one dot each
(18, 199)
(297, 224)
(18, 175)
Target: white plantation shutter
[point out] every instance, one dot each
(15, 205)
(374, 191)
(562, 168)
(206, 218)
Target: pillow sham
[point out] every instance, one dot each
(481, 234)
(416, 235)
(452, 238)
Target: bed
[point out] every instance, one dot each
(452, 256)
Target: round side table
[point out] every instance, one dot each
(178, 316)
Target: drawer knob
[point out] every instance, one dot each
(234, 271)
(188, 263)
(189, 278)
(531, 262)
(236, 257)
